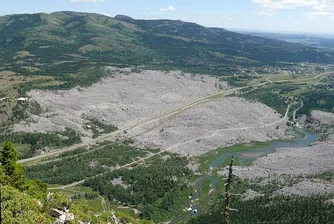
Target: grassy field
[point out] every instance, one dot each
(205, 189)
(11, 80)
(10, 85)
(79, 195)
(207, 159)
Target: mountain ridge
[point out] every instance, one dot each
(94, 38)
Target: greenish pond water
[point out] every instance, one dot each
(303, 138)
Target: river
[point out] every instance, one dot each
(303, 138)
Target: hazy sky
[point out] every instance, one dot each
(271, 15)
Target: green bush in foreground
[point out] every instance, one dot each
(25, 201)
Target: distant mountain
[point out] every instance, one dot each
(322, 41)
(61, 42)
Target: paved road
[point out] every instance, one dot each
(121, 167)
(155, 118)
(300, 80)
(129, 126)
(178, 145)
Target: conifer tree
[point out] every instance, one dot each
(8, 157)
(14, 173)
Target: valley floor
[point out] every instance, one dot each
(160, 113)
(179, 112)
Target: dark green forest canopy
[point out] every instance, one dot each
(278, 209)
(159, 189)
(83, 165)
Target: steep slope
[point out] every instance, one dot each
(222, 41)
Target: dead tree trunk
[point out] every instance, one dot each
(227, 194)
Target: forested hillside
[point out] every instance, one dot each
(28, 201)
(60, 43)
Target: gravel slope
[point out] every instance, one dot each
(223, 122)
(119, 100)
(323, 117)
(125, 98)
